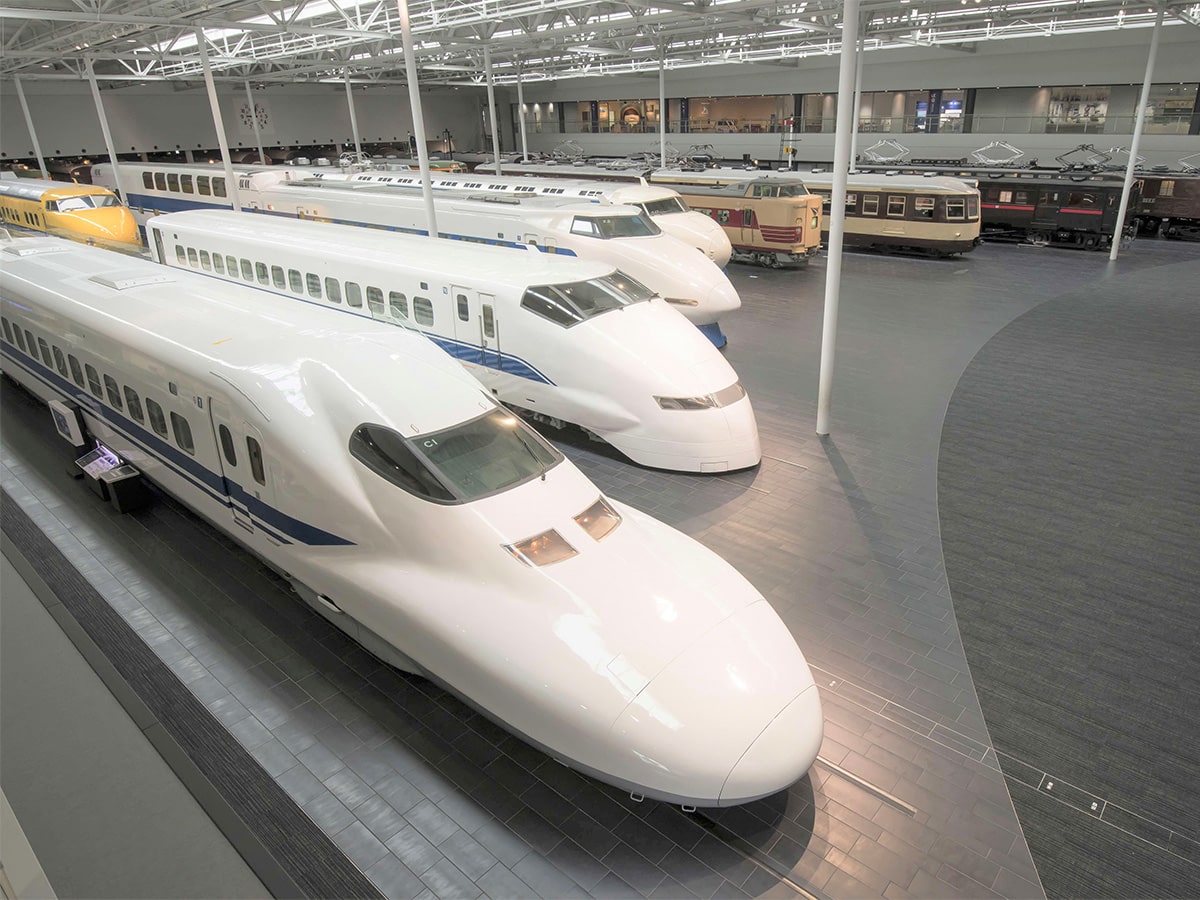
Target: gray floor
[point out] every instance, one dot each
(81, 776)
(840, 534)
(1069, 489)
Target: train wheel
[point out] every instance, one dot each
(1090, 242)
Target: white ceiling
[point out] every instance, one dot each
(268, 41)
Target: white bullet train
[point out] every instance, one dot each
(562, 338)
(434, 526)
(664, 205)
(621, 235)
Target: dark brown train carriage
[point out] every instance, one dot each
(1079, 211)
(1169, 203)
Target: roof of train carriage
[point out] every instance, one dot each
(39, 189)
(511, 267)
(105, 289)
(540, 203)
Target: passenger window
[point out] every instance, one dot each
(227, 445)
(113, 391)
(264, 276)
(193, 259)
(32, 344)
(218, 263)
(277, 277)
(173, 182)
(202, 185)
(157, 420)
(232, 265)
(924, 207)
(254, 451)
(160, 181)
(93, 379)
(333, 290)
(375, 300)
(218, 186)
(398, 304)
(183, 433)
(205, 261)
(422, 311)
(185, 182)
(76, 369)
(464, 307)
(180, 255)
(7, 330)
(956, 208)
(247, 270)
(895, 205)
(871, 205)
(353, 295)
(60, 362)
(134, 402)
(489, 321)
(20, 338)
(45, 349)
(314, 285)
(148, 180)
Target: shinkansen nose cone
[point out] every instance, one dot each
(699, 231)
(769, 731)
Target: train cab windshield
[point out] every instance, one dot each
(607, 227)
(76, 204)
(792, 189)
(665, 207)
(474, 459)
(570, 304)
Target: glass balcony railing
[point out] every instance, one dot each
(946, 124)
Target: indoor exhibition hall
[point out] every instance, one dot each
(600, 448)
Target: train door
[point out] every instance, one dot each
(1045, 214)
(158, 246)
(244, 476)
(468, 323)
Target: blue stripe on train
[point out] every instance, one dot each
(282, 526)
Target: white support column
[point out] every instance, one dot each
(353, 117)
(521, 114)
(254, 121)
(491, 88)
(862, 45)
(414, 99)
(837, 211)
(218, 124)
(1137, 136)
(108, 143)
(37, 148)
(662, 105)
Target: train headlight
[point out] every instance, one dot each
(599, 519)
(705, 402)
(679, 301)
(544, 549)
(724, 397)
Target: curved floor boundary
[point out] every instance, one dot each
(1069, 499)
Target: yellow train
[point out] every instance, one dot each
(86, 213)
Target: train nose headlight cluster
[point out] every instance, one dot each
(543, 549)
(679, 301)
(724, 397)
(599, 519)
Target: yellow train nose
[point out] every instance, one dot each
(113, 228)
